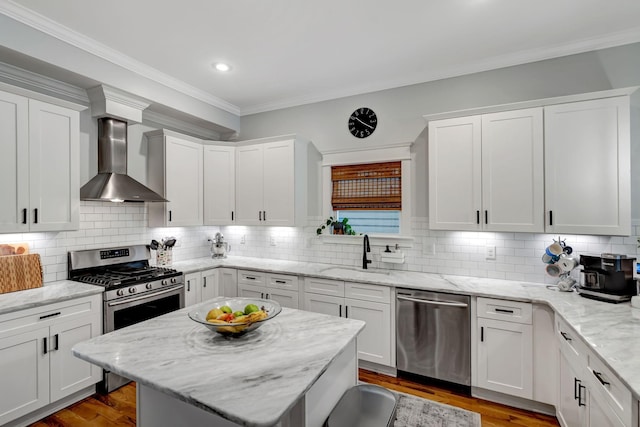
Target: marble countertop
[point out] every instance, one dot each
(252, 380)
(48, 294)
(612, 331)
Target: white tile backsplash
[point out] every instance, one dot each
(462, 253)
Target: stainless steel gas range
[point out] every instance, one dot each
(134, 291)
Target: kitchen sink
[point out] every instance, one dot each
(346, 270)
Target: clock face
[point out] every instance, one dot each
(362, 122)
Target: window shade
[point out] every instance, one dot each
(374, 186)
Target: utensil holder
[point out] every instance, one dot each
(164, 257)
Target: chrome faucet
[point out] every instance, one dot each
(366, 248)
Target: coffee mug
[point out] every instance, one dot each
(553, 270)
(554, 250)
(566, 284)
(567, 263)
(547, 259)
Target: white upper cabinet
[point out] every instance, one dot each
(455, 174)
(276, 182)
(174, 170)
(219, 185)
(485, 172)
(587, 167)
(39, 165)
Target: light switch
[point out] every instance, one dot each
(490, 252)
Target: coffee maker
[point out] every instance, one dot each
(608, 277)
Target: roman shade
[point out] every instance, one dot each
(372, 186)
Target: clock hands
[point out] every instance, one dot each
(355, 118)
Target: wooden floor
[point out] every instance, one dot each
(119, 407)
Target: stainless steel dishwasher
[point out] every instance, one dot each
(433, 334)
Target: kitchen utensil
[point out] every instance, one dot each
(553, 270)
(554, 250)
(20, 272)
(566, 284)
(548, 259)
(170, 242)
(154, 245)
(272, 308)
(567, 263)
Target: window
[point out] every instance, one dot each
(369, 195)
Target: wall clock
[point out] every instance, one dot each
(362, 122)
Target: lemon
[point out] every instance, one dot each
(250, 308)
(213, 314)
(226, 309)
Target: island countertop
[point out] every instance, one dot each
(252, 380)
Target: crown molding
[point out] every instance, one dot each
(93, 47)
(159, 120)
(39, 83)
(503, 61)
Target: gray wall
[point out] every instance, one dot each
(400, 110)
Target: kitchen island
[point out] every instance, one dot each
(290, 371)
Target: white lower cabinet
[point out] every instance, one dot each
(201, 286)
(589, 394)
(369, 303)
(36, 364)
(282, 288)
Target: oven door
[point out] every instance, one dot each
(128, 311)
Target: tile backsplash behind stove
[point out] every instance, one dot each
(460, 253)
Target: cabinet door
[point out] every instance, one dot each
(192, 291)
(587, 167)
(249, 185)
(14, 162)
(184, 178)
(455, 176)
(228, 280)
(599, 416)
(24, 369)
(68, 373)
(284, 297)
(324, 304)
(54, 177)
(210, 285)
(505, 357)
(278, 182)
(374, 342)
(219, 185)
(571, 396)
(249, 291)
(512, 171)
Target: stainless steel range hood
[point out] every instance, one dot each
(112, 184)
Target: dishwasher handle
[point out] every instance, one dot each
(432, 302)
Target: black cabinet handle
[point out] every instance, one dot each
(478, 217)
(580, 387)
(598, 375)
(261, 295)
(250, 278)
(46, 316)
(188, 285)
(502, 310)
(565, 336)
(169, 216)
(346, 311)
(259, 215)
(35, 216)
(264, 215)
(575, 388)
(57, 337)
(486, 217)
(266, 296)
(231, 215)
(340, 311)
(281, 282)
(550, 217)
(24, 215)
(44, 340)
(204, 282)
(481, 333)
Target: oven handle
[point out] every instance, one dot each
(428, 301)
(145, 296)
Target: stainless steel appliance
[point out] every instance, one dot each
(608, 277)
(433, 334)
(219, 247)
(134, 291)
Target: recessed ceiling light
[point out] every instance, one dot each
(221, 66)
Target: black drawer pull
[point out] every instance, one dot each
(24, 216)
(575, 388)
(481, 333)
(486, 217)
(35, 216)
(580, 387)
(57, 337)
(282, 282)
(46, 316)
(340, 311)
(598, 375)
(503, 310)
(169, 216)
(44, 340)
(249, 277)
(565, 336)
(478, 217)
(204, 282)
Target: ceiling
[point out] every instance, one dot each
(290, 52)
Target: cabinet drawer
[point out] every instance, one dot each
(283, 281)
(510, 311)
(611, 391)
(246, 277)
(375, 293)
(324, 286)
(569, 342)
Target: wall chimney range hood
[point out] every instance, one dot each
(112, 184)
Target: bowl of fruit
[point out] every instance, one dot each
(235, 316)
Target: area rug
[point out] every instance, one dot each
(413, 411)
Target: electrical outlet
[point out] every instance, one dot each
(490, 252)
(243, 239)
(272, 240)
